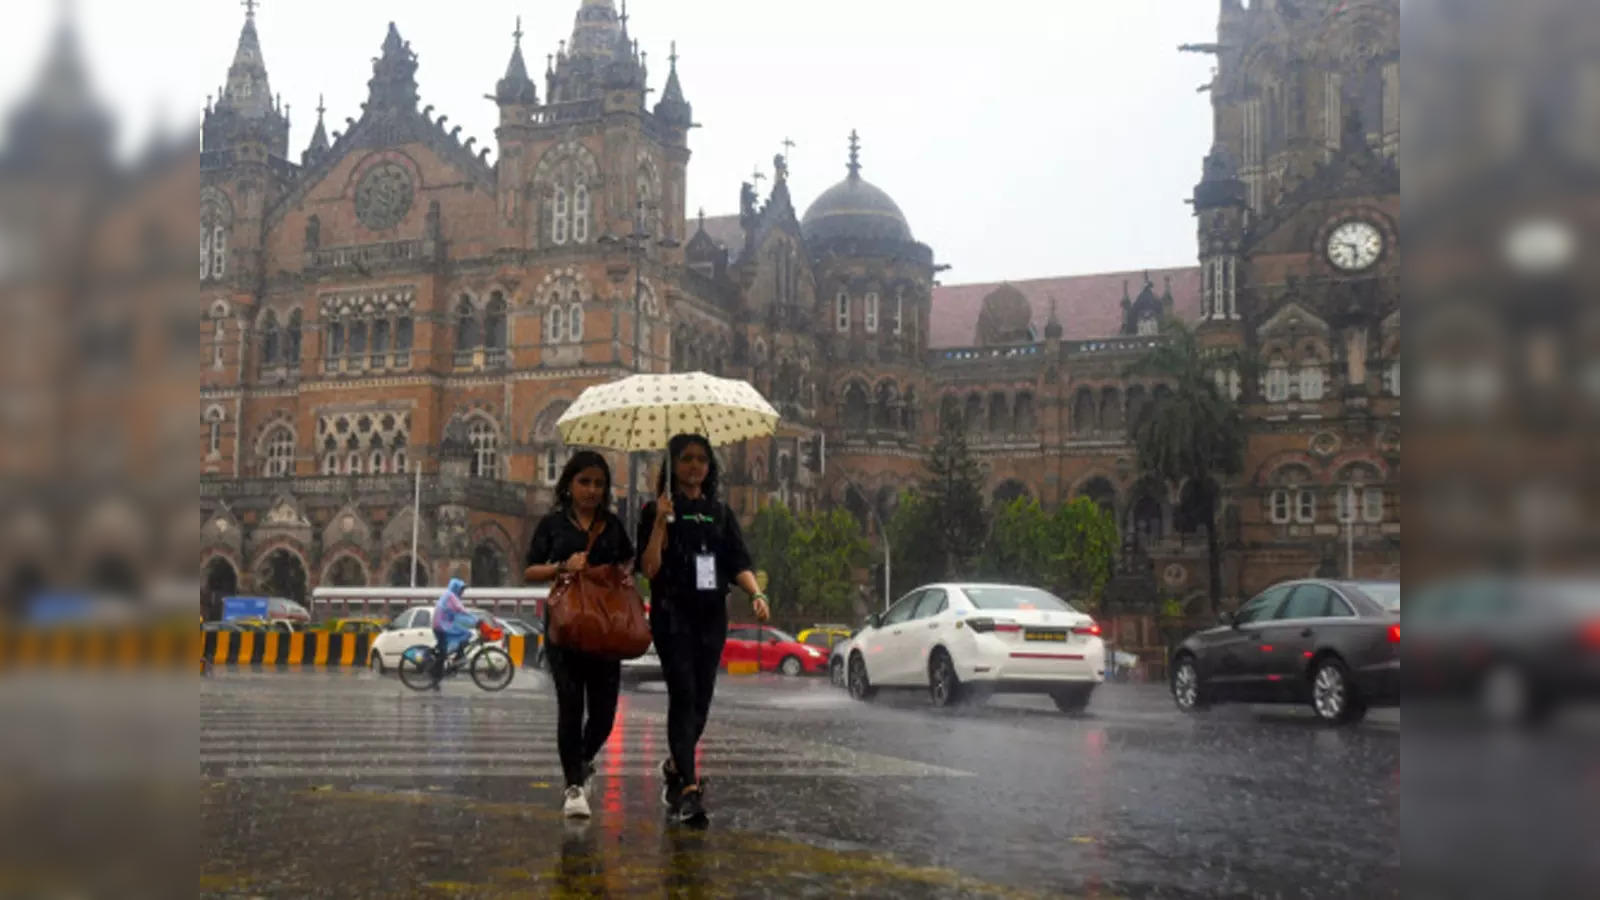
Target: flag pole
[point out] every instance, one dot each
(416, 519)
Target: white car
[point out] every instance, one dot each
(971, 640)
(410, 628)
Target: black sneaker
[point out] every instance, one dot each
(671, 786)
(692, 805)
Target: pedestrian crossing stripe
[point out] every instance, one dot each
(376, 743)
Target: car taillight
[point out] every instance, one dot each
(1092, 629)
(984, 626)
(1589, 634)
(1394, 634)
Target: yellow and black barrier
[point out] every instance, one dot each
(98, 648)
(273, 648)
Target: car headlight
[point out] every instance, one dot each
(813, 651)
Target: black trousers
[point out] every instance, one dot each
(690, 648)
(441, 643)
(583, 679)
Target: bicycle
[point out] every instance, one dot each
(489, 665)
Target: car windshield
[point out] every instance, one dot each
(1386, 595)
(1007, 597)
(783, 636)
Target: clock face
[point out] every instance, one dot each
(1354, 246)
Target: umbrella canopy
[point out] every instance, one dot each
(643, 412)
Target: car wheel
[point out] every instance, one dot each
(1187, 691)
(1072, 700)
(860, 687)
(836, 673)
(375, 662)
(1332, 696)
(944, 686)
(791, 666)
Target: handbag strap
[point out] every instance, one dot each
(594, 532)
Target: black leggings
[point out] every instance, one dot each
(691, 653)
(580, 676)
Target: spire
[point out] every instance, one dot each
(1052, 328)
(393, 86)
(61, 113)
(516, 87)
(319, 136)
(700, 219)
(855, 156)
(673, 108)
(596, 29)
(247, 92)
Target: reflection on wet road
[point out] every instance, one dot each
(348, 785)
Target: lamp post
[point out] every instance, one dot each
(636, 244)
(883, 535)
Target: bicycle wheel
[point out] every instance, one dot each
(492, 669)
(416, 667)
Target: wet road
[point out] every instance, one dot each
(347, 784)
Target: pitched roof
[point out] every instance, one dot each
(725, 230)
(1088, 306)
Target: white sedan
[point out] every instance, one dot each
(971, 640)
(410, 628)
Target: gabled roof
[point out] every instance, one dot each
(1088, 306)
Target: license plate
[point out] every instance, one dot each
(1041, 634)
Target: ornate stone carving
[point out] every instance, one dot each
(384, 196)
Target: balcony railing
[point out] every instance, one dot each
(480, 493)
(399, 360)
(572, 111)
(365, 255)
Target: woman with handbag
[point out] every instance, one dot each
(692, 551)
(579, 533)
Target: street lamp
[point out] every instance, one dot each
(636, 244)
(883, 535)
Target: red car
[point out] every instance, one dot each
(772, 651)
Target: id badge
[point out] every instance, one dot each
(705, 572)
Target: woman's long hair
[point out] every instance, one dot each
(675, 448)
(583, 459)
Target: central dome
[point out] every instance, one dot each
(856, 209)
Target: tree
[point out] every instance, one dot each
(769, 539)
(824, 551)
(1082, 538)
(953, 490)
(1191, 433)
(913, 544)
(1019, 546)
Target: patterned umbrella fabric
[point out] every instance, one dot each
(643, 412)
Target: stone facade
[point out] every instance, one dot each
(395, 301)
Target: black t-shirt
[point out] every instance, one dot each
(699, 526)
(557, 537)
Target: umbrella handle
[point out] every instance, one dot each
(671, 517)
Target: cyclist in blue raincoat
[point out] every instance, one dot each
(452, 626)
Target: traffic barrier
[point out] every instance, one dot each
(315, 648)
(99, 648)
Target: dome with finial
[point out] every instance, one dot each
(854, 209)
(1006, 317)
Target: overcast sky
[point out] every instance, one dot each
(1022, 139)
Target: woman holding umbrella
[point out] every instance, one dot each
(692, 551)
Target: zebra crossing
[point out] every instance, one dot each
(371, 728)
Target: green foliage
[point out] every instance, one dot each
(953, 490)
(1193, 433)
(826, 549)
(913, 544)
(769, 538)
(1068, 552)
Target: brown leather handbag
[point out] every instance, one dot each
(599, 610)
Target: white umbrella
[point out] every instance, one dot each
(643, 412)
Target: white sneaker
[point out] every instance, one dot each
(577, 805)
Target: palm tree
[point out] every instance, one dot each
(1192, 431)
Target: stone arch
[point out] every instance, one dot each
(220, 578)
(885, 405)
(950, 412)
(346, 569)
(1009, 490)
(854, 406)
(1024, 416)
(972, 413)
(1100, 488)
(490, 566)
(1268, 471)
(1110, 409)
(280, 571)
(398, 574)
(1084, 419)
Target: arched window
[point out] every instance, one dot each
(485, 440)
(841, 312)
(950, 412)
(357, 337)
(494, 327)
(999, 414)
(555, 324)
(575, 322)
(1024, 415)
(855, 406)
(488, 566)
(401, 463)
(352, 463)
(908, 411)
(973, 416)
(1277, 381)
(1083, 419)
(335, 346)
(887, 414)
(1111, 410)
(467, 336)
(279, 452)
(330, 463)
(580, 213)
(214, 419)
(561, 219)
(871, 312)
(270, 339)
(897, 311)
(291, 338)
(1292, 496)
(375, 463)
(1311, 382)
(1148, 325)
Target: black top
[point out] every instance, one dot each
(557, 537)
(699, 526)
